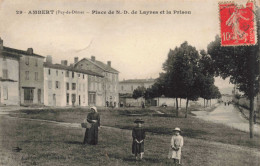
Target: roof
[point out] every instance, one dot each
(100, 65)
(12, 50)
(69, 68)
(138, 81)
(11, 54)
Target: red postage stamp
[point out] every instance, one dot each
(237, 25)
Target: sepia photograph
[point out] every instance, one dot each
(118, 83)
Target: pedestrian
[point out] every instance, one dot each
(143, 106)
(91, 134)
(138, 135)
(176, 145)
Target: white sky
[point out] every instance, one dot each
(136, 44)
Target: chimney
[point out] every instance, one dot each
(64, 62)
(76, 59)
(49, 59)
(93, 58)
(1, 44)
(30, 51)
(109, 63)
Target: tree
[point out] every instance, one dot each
(181, 72)
(241, 64)
(139, 92)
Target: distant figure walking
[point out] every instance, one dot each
(138, 135)
(143, 106)
(91, 134)
(176, 145)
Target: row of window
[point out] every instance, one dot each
(112, 77)
(27, 60)
(73, 98)
(27, 76)
(73, 85)
(67, 74)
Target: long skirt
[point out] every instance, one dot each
(91, 135)
(137, 148)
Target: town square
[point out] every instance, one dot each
(129, 83)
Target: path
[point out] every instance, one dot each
(227, 115)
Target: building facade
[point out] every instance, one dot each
(65, 85)
(30, 76)
(9, 77)
(128, 86)
(102, 91)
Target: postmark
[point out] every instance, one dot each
(237, 24)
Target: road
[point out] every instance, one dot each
(227, 115)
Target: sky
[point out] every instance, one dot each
(137, 44)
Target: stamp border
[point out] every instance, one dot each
(255, 23)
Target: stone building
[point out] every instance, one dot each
(128, 86)
(103, 91)
(65, 85)
(9, 76)
(30, 76)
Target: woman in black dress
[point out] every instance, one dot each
(91, 134)
(138, 135)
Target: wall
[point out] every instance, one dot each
(9, 90)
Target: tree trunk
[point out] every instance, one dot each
(210, 102)
(180, 102)
(177, 113)
(186, 113)
(251, 94)
(251, 117)
(204, 103)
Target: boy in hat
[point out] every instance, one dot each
(138, 135)
(176, 145)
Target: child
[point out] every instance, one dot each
(138, 135)
(176, 145)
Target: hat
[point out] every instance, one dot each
(94, 108)
(139, 120)
(177, 129)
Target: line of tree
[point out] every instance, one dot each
(241, 64)
(186, 75)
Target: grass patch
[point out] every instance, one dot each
(155, 123)
(48, 144)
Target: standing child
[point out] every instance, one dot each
(176, 145)
(138, 135)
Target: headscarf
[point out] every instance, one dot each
(94, 108)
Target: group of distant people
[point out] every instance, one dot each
(138, 135)
(227, 103)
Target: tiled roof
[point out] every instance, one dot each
(101, 65)
(138, 81)
(62, 67)
(12, 50)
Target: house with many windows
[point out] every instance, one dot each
(102, 91)
(127, 87)
(30, 76)
(65, 85)
(9, 76)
